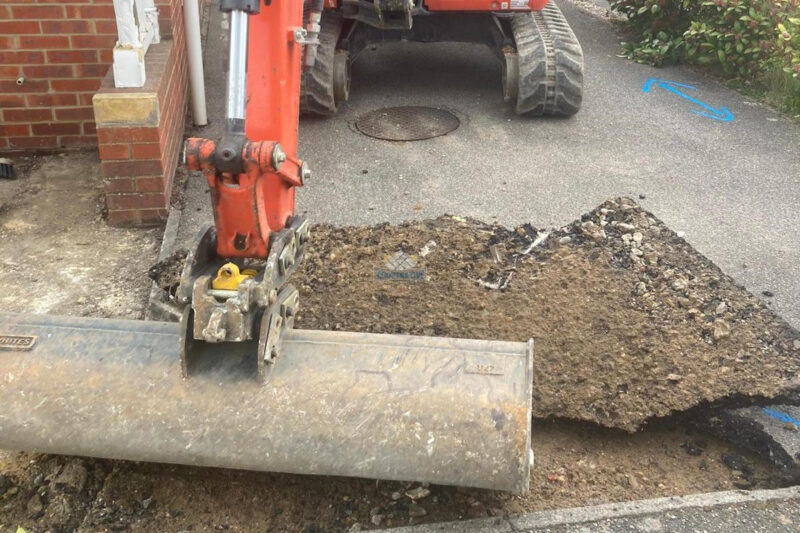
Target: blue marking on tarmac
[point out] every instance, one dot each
(722, 114)
(783, 417)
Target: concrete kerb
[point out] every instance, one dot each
(586, 515)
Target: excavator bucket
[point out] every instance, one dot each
(442, 410)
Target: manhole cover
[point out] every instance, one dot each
(407, 123)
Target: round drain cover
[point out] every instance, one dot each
(407, 123)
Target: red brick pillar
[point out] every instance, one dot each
(140, 133)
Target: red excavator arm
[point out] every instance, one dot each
(253, 171)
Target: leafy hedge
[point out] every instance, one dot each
(746, 38)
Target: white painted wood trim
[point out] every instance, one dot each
(137, 29)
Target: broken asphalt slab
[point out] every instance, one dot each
(630, 321)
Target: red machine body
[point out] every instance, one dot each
(273, 99)
(250, 206)
(485, 5)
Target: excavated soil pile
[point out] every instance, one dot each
(629, 321)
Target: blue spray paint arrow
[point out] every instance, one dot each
(722, 114)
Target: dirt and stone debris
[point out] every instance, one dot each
(629, 321)
(167, 272)
(581, 291)
(576, 464)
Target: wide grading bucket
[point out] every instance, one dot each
(448, 411)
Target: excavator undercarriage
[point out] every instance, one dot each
(540, 58)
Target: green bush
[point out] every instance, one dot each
(757, 41)
(736, 36)
(789, 44)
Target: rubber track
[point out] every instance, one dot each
(550, 63)
(316, 83)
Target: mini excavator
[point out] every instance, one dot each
(235, 384)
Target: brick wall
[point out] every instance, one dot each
(141, 131)
(63, 50)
